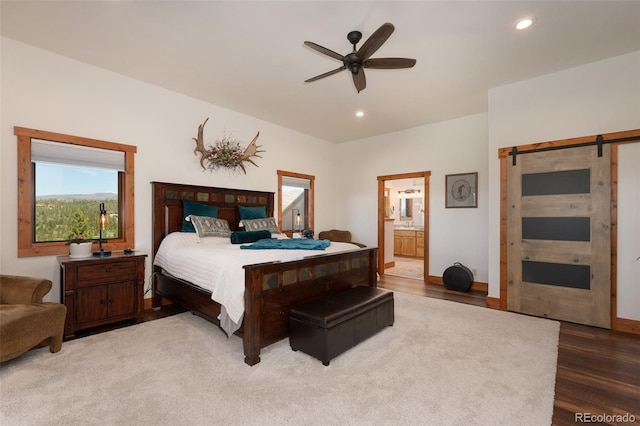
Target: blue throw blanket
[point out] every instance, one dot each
(289, 244)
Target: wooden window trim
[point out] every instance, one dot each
(26, 245)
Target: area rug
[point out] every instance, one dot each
(410, 268)
(441, 363)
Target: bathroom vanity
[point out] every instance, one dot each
(408, 242)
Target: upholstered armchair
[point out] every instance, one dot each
(25, 320)
(338, 236)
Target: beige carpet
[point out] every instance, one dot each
(442, 363)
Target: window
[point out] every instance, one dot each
(71, 181)
(295, 202)
(62, 179)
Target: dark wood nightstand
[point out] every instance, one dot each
(99, 291)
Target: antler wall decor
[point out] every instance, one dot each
(226, 152)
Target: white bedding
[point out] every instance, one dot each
(215, 264)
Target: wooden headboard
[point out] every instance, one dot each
(168, 211)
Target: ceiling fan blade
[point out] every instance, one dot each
(389, 63)
(324, 50)
(326, 74)
(376, 40)
(359, 80)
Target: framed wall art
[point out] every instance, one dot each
(461, 190)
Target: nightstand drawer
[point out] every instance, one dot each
(105, 272)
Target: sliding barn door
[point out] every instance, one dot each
(558, 235)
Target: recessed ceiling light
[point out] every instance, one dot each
(359, 114)
(524, 23)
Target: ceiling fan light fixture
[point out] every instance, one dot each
(524, 23)
(359, 58)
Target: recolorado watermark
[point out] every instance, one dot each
(603, 418)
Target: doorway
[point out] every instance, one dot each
(295, 202)
(406, 236)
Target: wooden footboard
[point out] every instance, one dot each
(271, 289)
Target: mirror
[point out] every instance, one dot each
(295, 202)
(406, 208)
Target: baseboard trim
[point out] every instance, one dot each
(493, 303)
(626, 325)
(476, 285)
(391, 264)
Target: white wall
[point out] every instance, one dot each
(455, 146)
(46, 91)
(597, 98)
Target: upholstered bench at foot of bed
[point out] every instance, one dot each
(327, 327)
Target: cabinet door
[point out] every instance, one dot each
(420, 244)
(408, 246)
(92, 304)
(122, 298)
(397, 245)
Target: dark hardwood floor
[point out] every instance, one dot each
(598, 370)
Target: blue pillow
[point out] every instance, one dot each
(196, 209)
(259, 212)
(243, 237)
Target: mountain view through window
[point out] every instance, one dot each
(67, 200)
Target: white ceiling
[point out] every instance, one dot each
(249, 56)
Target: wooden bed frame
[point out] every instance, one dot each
(271, 288)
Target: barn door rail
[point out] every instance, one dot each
(599, 142)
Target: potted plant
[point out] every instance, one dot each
(79, 245)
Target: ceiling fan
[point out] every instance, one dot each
(359, 59)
